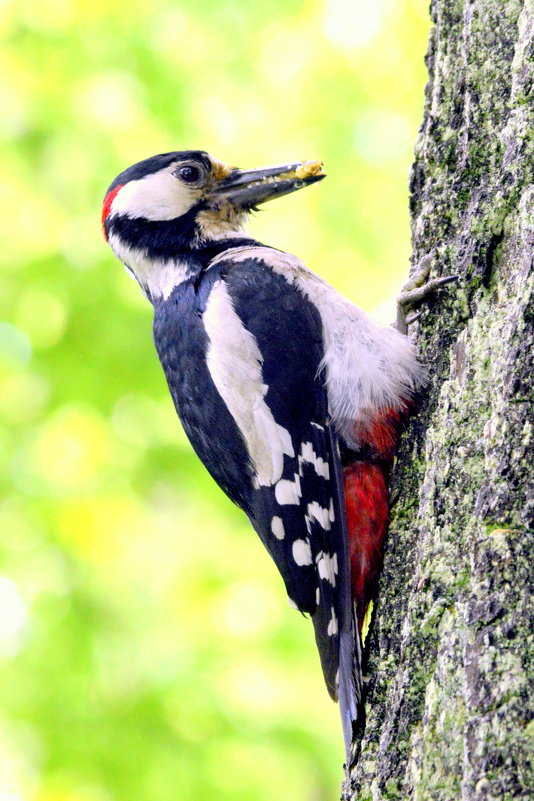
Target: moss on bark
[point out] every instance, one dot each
(447, 708)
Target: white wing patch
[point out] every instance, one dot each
(235, 365)
(368, 367)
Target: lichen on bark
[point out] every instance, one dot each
(447, 709)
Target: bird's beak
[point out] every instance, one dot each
(248, 188)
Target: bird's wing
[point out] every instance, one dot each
(264, 357)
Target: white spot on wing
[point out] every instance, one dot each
(277, 527)
(316, 512)
(288, 493)
(331, 513)
(292, 603)
(332, 625)
(302, 553)
(327, 567)
(234, 361)
(308, 455)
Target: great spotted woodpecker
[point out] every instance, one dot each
(290, 395)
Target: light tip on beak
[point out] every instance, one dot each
(308, 169)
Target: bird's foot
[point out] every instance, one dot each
(416, 291)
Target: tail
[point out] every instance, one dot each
(350, 683)
(347, 685)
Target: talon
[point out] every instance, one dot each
(411, 298)
(419, 275)
(447, 279)
(413, 318)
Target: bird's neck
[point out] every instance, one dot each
(207, 252)
(158, 277)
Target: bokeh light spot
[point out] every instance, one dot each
(42, 315)
(247, 609)
(23, 396)
(13, 611)
(113, 100)
(15, 347)
(352, 23)
(71, 447)
(381, 137)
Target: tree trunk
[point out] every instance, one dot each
(447, 703)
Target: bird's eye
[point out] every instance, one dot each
(189, 173)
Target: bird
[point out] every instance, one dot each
(291, 396)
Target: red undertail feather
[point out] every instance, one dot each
(367, 505)
(366, 499)
(381, 432)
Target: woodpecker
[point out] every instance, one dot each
(291, 396)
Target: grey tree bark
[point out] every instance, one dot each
(447, 708)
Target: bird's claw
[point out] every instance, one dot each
(413, 317)
(416, 291)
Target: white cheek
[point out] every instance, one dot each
(159, 196)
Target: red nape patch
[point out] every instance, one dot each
(106, 208)
(367, 506)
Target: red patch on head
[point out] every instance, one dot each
(106, 208)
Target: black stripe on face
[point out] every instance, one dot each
(159, 239)
(157, 163)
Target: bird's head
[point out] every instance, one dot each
(162, 213)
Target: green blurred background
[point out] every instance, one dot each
(147, 649)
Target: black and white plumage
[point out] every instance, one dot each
(271, 372)
(260, 426)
